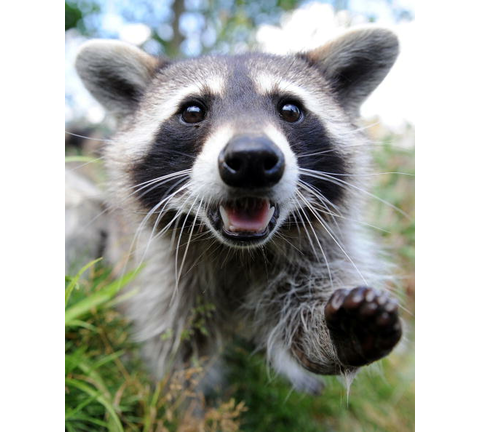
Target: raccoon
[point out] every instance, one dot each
(239, 183)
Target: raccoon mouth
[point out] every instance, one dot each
(247, 219)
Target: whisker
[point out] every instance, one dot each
(320, 175)
(364, 145)
(88, 138)
(157, 221)
(167, 176)
(319, 219)
(313, 189)
(86, 159)
(319, 243)
(299, 207)
(177, 249)
(204, 253)
(160, 183)
(324, 201)
(189, 239)
(147, 217)
(176, 219)
(372, 174)
(355, 131)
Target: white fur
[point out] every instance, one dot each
(205, 173)
(207, 183)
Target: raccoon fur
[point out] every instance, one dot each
(239, 182)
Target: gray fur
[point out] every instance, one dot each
(85, 221)
(274, 294)
(109, 69)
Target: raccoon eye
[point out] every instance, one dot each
(193, 114)
(290, 112)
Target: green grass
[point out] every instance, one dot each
(379, 400)
(108, 389)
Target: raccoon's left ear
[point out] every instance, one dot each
(116, 73)
(356, 63)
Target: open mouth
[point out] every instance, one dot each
(245, 220)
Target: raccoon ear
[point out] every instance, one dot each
(356, 63)
(116, 73)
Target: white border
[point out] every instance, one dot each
(448, 217)
(32, 312)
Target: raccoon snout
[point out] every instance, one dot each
(251, 162)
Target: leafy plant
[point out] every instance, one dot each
(107, 388)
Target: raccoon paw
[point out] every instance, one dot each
(364, 325)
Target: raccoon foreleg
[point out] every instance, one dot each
(363, 325)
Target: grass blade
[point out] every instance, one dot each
(99, 298)
(73, 283)
(117, 425)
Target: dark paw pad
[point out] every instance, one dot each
(364, 324)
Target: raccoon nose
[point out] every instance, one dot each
(251, 162)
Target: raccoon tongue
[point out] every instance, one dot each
(251, 218)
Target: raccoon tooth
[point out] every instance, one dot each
(224, 216)
(270, 214)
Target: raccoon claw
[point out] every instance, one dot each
(364, 324)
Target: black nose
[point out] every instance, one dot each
(251, 162)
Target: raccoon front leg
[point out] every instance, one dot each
(286, 364)
(363, 324)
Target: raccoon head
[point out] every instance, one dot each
(240, 144)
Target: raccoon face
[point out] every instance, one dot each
(235, 143)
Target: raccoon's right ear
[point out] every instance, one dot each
(116, 73)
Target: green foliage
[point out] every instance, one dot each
(99, 298)
(232, 23)
(377, 400)
(90, 401)
(396, 224)
(73, 15)
(76, 11)
(73, 281)
(107, 388)
(199, 317)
